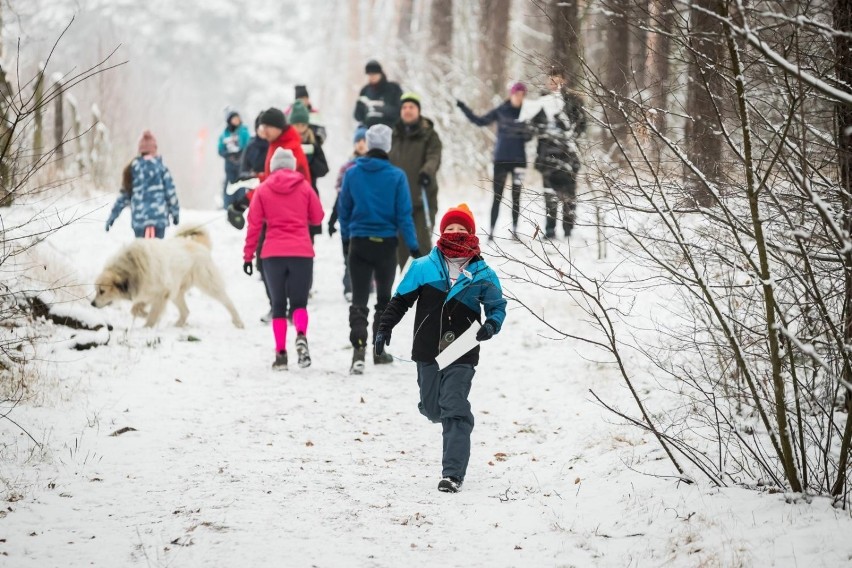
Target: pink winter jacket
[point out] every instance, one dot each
(287, 203)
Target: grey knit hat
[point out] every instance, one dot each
(283, 158)
(379, 137)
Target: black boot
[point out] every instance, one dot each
(358, 355)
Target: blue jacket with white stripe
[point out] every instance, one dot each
(445, 307)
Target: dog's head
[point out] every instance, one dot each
(110, 287)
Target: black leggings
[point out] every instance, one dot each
(501, 172)
(288, 278)
(369, 257)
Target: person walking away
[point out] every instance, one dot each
(312, 147)
(279, 134)
(359, 140)
(286, 204)
(510, 157)
(451, 287)
(374, 207)
(148, 188)
(315, 119)
(232, 143)
(558, 125)
(378, 101)
(417, 151)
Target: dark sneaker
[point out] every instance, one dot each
(358, 356)
(450, 485)
(302, 351)
(267, 317)
(384, 359)
(280, 363)
(550, 234)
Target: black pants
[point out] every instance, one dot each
(501, 172)
(564, 187)
(288, 278)
(369, 258)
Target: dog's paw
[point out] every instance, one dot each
(180, 323)
(139, 311)
(239, 324)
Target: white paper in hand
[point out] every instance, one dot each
(463, 343)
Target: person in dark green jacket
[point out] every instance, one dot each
(416, 150)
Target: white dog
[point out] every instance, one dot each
(150, 272)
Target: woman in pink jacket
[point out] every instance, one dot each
(288, 205)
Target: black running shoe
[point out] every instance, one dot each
(280, 363)
(450, 485)
(302, 351)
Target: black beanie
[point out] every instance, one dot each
(274, 117)
(373, 67)
(301, 92)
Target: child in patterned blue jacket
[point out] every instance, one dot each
(148, 188)
(451, 286)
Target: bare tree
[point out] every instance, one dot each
(565, 20)
(661, 21)
(707, 54)
(617, 75)
(405, 14)
(441, 27)
(495, 44)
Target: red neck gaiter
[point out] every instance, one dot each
(458, 245)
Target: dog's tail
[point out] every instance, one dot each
(197, 234)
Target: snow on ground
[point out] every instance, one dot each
(230, 464)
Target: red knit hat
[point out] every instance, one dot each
(461, 215)
(148, 144)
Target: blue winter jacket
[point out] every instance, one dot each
(375, 202)
(444, 307)
(233, 142)
(511, 134)
(153, 198)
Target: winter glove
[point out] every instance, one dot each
(415, 253)
(459, 104)
(487, 331)
(247, 268)
(345, 248)
(331, 229)
(109, 224)
(425, 179)
(382, 338)
(175, 220)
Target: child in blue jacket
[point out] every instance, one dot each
(149, 190)
(451, 286)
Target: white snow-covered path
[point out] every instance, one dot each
(231, 464)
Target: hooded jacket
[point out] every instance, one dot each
(287, 204)
(444, 307)
(374, 202)
(417, 149)
(291, 140)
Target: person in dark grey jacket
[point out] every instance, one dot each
(510, 156)
(378, 102)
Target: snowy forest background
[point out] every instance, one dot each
(716, 189)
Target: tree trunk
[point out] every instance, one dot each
(843, 69)
(565, 18)
(59, 121)
(441, 32)
(639, 19)
(405, 13)
(617, 73)
(657, 62)
(495, 42)
(703, 142)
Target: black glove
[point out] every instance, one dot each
(487, 331)
(415, 253)
(248, 268)
(175, 220)
(382, 339)
(459, 104)
(331, 229)
(345, 248)
(425, 179)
